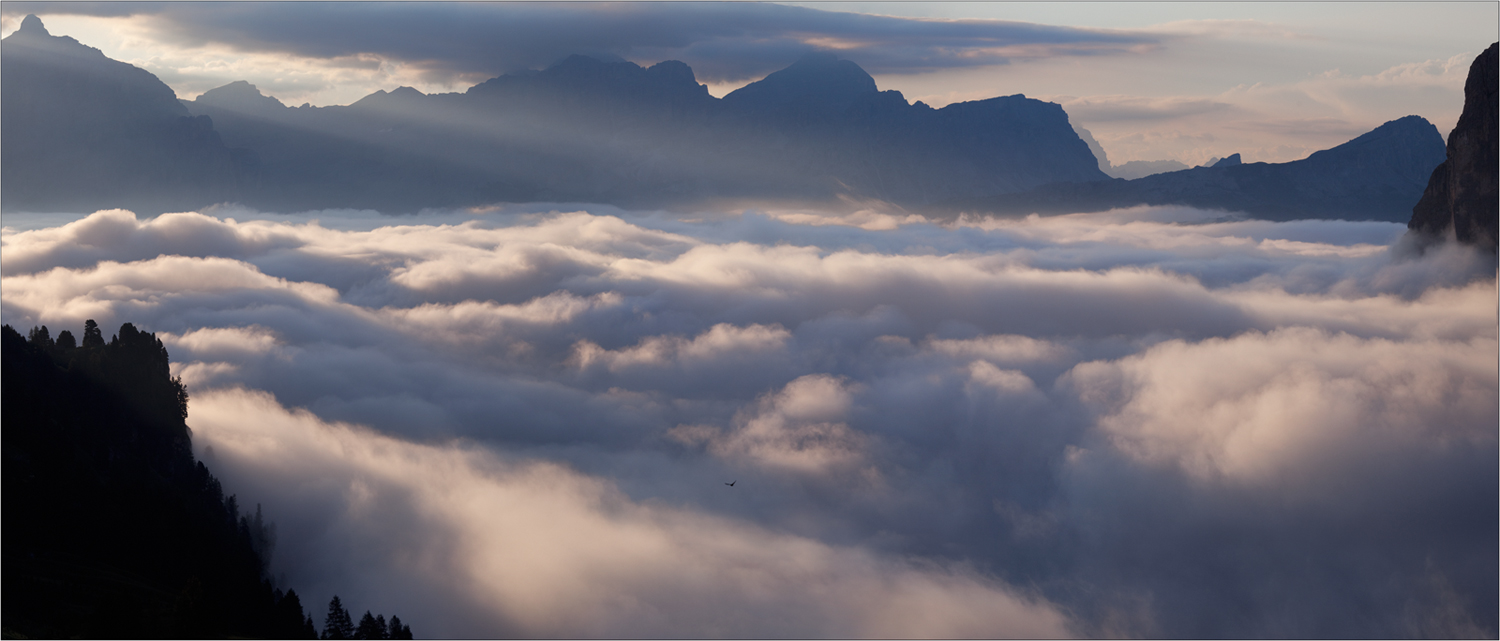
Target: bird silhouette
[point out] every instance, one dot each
(731, 483)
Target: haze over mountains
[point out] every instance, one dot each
(610, 131)
(82, 131)
(591, 130)
(1377, 176)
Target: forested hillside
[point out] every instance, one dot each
(112, 529)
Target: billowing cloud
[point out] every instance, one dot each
(1177, 405)
(484, 546)
(1153, 421)
(798, 429)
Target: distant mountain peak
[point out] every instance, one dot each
(239, 96)
(1413, 132)
(1229, 161)
(675, 70)
(818, 81)
(827, 67)
(402, 96)
(33, 25)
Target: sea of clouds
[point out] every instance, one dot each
(520, 421)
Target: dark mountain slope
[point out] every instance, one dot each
(1462, 195)
(112, 530)
(1376, 176)
(83, 131)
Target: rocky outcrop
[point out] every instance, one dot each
(1461, 197)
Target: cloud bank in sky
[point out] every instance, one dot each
(722, 42)
(1154, 422)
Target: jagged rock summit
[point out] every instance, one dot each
(32, 25)
(1461, 196)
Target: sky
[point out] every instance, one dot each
(1272, 81)
(522, 420)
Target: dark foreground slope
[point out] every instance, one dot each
(1462, 196)
(112, 530)
(1377, 176)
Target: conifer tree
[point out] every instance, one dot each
(337, 625)
(291, 622)
(368, 629)
(40, 337)
(92, 337)
(398, 630)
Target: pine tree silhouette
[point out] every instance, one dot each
(92, 337)
(369, 628)
(398, 630)
(337, 625)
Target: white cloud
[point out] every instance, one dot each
(918, 416)
(720, 342)
(798, 429)
(1288, 407)
(481, 544)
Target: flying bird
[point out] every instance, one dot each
(731, 483)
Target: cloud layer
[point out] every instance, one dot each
(1156, 421)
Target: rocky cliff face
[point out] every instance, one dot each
(1461, 196)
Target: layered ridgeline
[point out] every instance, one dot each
(83, 131)
(1462, 196)
(112, 529)
(611, 131)
(99, 133)
(1376, 176)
